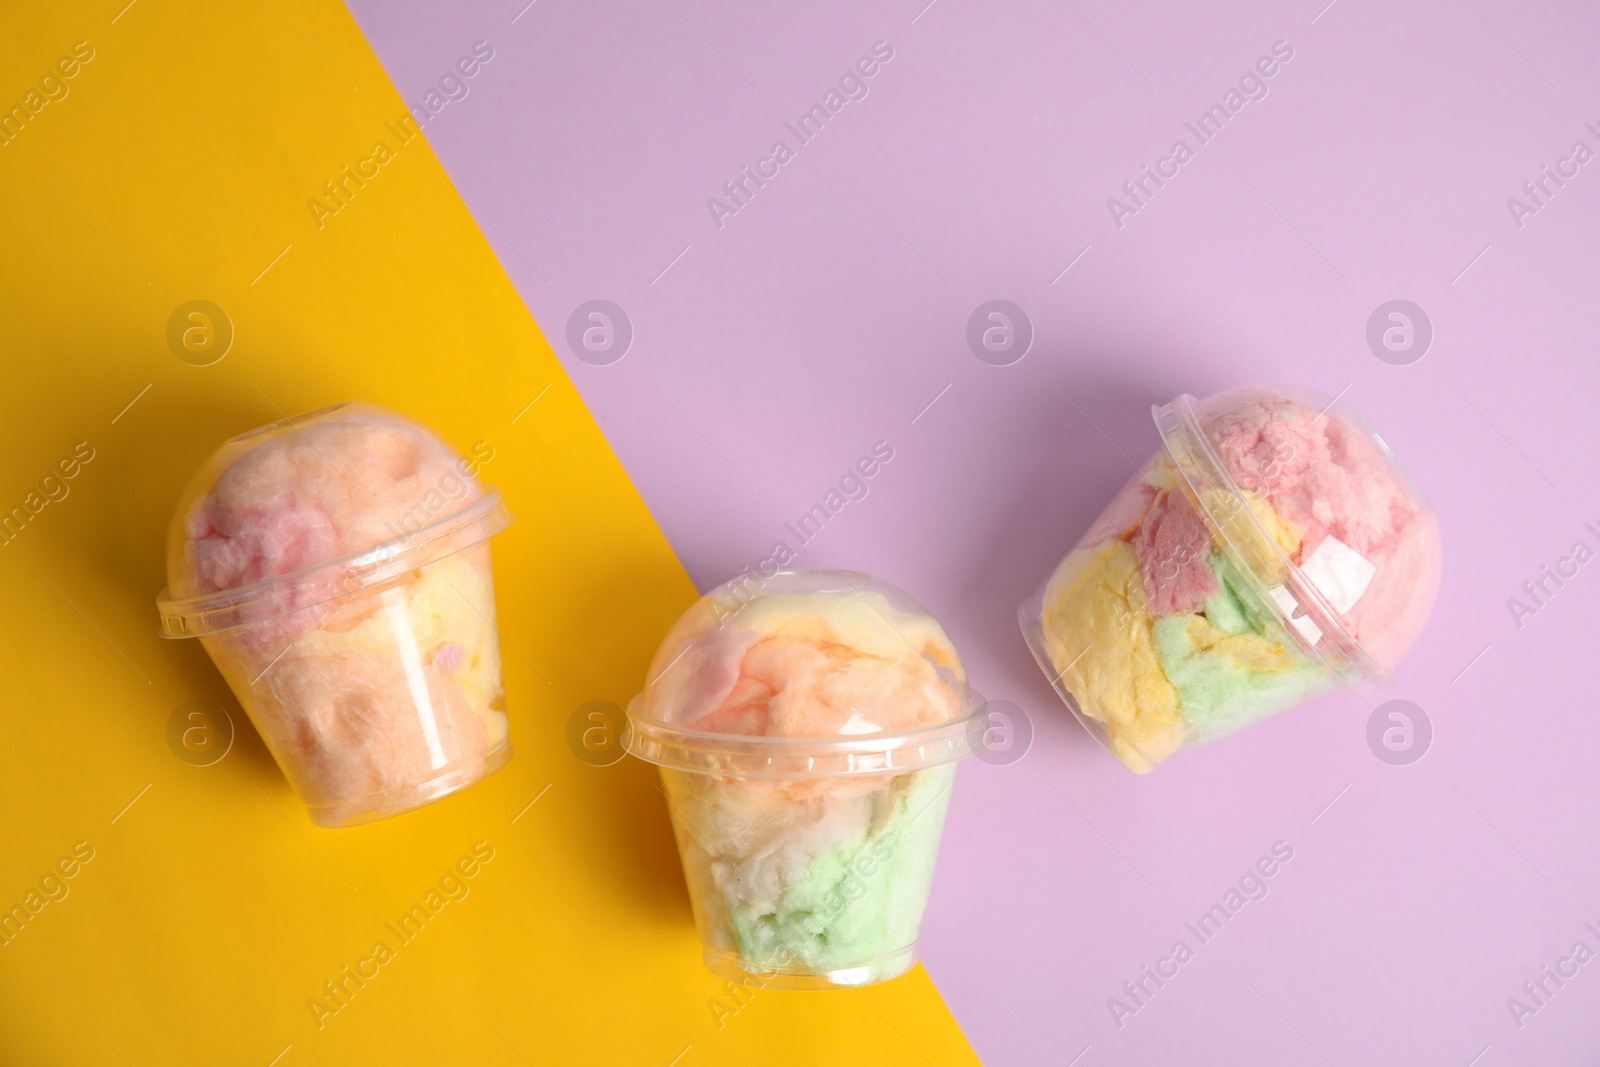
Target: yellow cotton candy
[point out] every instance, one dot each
(1284, 532)
(1231, 524)
(1097, 631)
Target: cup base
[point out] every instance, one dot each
(409, 797)
(877, 969)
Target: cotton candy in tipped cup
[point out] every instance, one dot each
(1272, 550)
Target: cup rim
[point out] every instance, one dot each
(248, 605)
(763, 757)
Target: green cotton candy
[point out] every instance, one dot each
(860, 902)
(1235, 666)
(1235, 609)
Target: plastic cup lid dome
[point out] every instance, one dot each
(312, 510)
(798, 675)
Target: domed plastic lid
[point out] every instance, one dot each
(309, 511)
(1309, 501)
(797, 675)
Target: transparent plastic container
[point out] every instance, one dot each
(807, 725)
(335, 566)
(1273, 549)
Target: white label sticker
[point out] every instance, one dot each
(1340, 573)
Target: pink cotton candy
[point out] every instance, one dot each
(714, 674)
(1121, 517)
(240, 546)
(334, 487)
(1393, 612)
(1174, 548)
(448, 658)
(1329, 479)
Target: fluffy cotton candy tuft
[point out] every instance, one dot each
(335, 486)
(805, 665)
(1329, 479)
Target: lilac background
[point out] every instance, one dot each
(831, 310)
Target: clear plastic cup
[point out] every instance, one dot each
(1273, 549)
(335, 566)
(807, 725)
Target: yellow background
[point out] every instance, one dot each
(177, 168)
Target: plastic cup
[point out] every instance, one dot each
(1273, 549)
(335, 566)
(807, 725)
